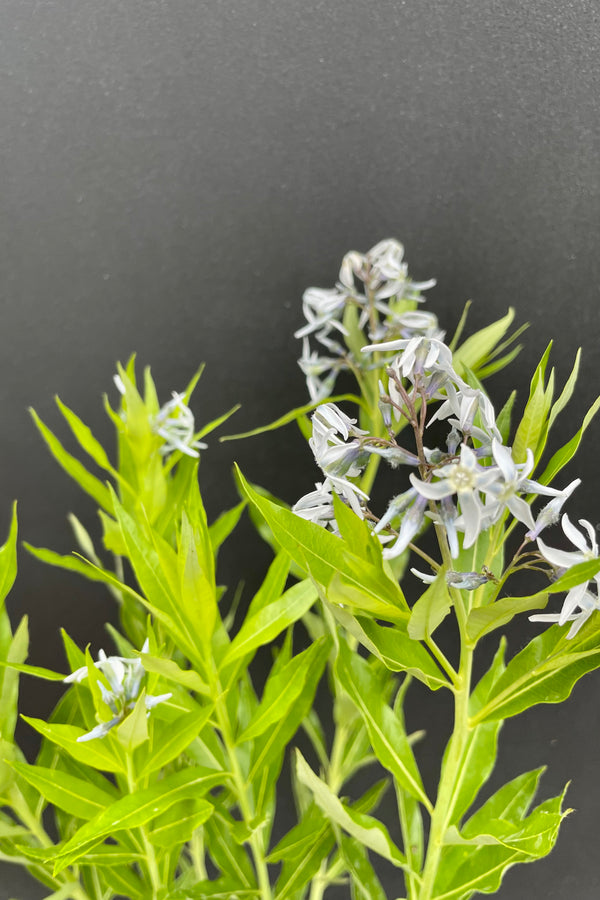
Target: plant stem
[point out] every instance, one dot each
(255, 841)
(443, 810)
(151, 862)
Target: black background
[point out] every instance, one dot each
(173, 175)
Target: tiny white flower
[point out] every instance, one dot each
(175, 424)
(124, 675)
(549, 514)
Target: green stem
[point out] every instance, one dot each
(444, 806)
(255, 841)
(151, 861)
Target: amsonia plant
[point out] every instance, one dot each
(158, 770)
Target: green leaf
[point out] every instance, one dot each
(37, 671)
(345, 595)
(322, 555)
(86, 439)
(545, 671)
(273, 584)
(394, 648)
(132, 732)
(90, 484)
(281, 691)
(475, 350)
(220, 529)
(364, 882)
(302, 851)
(177, 825)
(292, 416)
(197, 591)
(271, 620)
(8, 559)
(77, 797)
(566, 453)
(227, 855)
(510, 804)
(430, 609)
(567, 391)
(15, 653)
(356, 533)
(532, 426)
(504, 416)
(100, 754)
(386, 733)
(367, 830)
(136, 809)
(169, 670)
(171, 739)
(486, 619)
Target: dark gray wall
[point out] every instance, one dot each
(174, 174)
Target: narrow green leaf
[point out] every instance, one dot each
(169, 670)
(8, 559)
(504, 417)
(545, 671)
(323, 555)
(171, 739)
(271, 620)
(386, 733)
(485, 619)
(136, 809)
(99, 753)
(90, 484)
(367, 830)
(86, 439)
(292, 416)
(364, 883)
(478, 346)
(222, 527)
(430, 609)
(79, 798)
(567, 391)
(566, 453)
(532, 424)
(169, 830)
(281, 691)
(211, 426)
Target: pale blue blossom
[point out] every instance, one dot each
(125, 676)
(587, 549)
(174, 423)
(549, 514)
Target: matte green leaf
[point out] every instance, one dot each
(503, 418)
(356, 533)
(566, 453)
(100, 754)
(322, 555)
(292, 416)
(485, 619)
(430, 609)
(271, 620)
(478, 346)
(221, 889)
(169, 670)
(510, 804)
(281, 691)
(137, 809)
(79, 798)
(302, 851)
(227, 854)
(86, 439)
(388, 738)
(545, 671)
(37, 671)
(8, 559)
(567, 391)
(171, 739)
(222, 527)
(132, 732)
(177, 827)
(345, 594)
(531, 427)
(269, 748)
(15, 653)
(90, 484)
(367, 830)
(273, 584)
(400, 653)
(364, 883)
(197, 590)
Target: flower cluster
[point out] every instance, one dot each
(376, 284)
(125, 676)
(465, 488)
